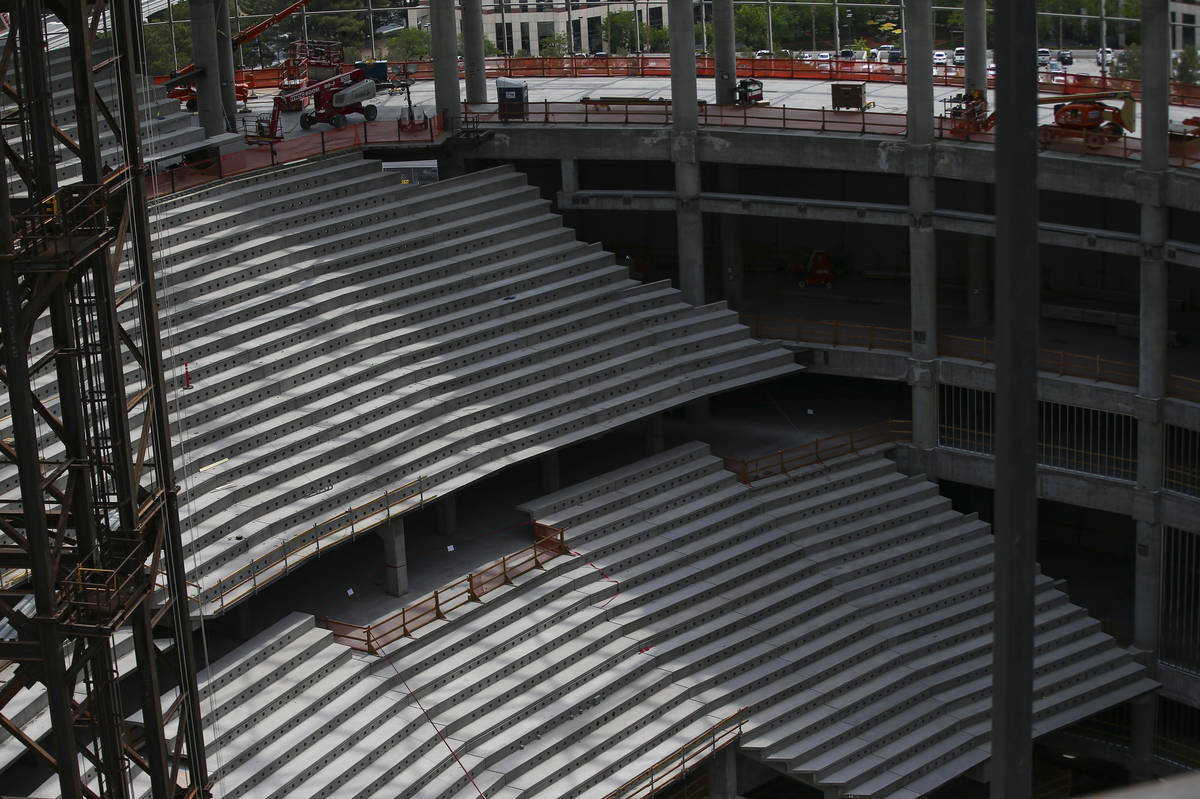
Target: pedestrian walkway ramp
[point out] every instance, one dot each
(845, 610)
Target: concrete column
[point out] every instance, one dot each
(655, 438)
(689, 228)
(473, 63)
(979, 264)
(570, 181)
(447, 515)
(922, 249)
(1017, 284)
(551, 473)
(975, 41)
(918, 53)
(1156, 76)
(733, 276)
(698, 411)
(724, 54)
(225, 65)
(445, 61)
(395, 560)
(243, 622)
(722, 774)
(208, 82)
(1152, 368)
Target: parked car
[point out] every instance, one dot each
(1104, 56)
(939, 57)
(1066, 58)
(960, 56)
(824, 56)
(1043, 57)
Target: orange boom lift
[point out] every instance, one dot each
(185, 92)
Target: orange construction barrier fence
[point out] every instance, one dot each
(548, 543)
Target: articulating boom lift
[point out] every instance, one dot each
(332, 98)
(186, 92)
(1076, 116)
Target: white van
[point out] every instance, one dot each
(1043, 57)
(960, 56)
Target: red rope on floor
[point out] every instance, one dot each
(429, 718)
(602, 574)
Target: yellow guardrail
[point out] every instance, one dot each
(684, 759)
(305, 545)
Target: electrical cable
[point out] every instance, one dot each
(213, 717)
(392, 663)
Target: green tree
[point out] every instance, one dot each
(409, 44)
(1129, 65)
(157, 36)
(617, 29)
(351, 29)
(655, 40)
(750, 27)
(1187, 69)
(555, 46)
(489, 48)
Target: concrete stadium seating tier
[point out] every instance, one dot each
(847, 608)
(346, 334)
(167, 131)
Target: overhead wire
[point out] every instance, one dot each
(166, 302)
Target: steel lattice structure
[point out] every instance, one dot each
(89, 524)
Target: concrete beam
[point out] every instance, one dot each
(875, 155)
(817, 209)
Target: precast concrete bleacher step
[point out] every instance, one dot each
(856, 635)
(373, 204)
(530, 340)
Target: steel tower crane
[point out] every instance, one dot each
(89, 525)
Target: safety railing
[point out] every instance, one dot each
(659, 65)
(615, 111)
(684, 759)
(548, 543)
(1187, 388)
(1184, 152)
(820, 450)
(348, 524)
(1059, 362)
(830, 332)
(876, 337)
(324, 142)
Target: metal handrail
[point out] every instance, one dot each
(549, 543)
(287, 553)
(683, 759)
(876, 337)
(820, 450)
